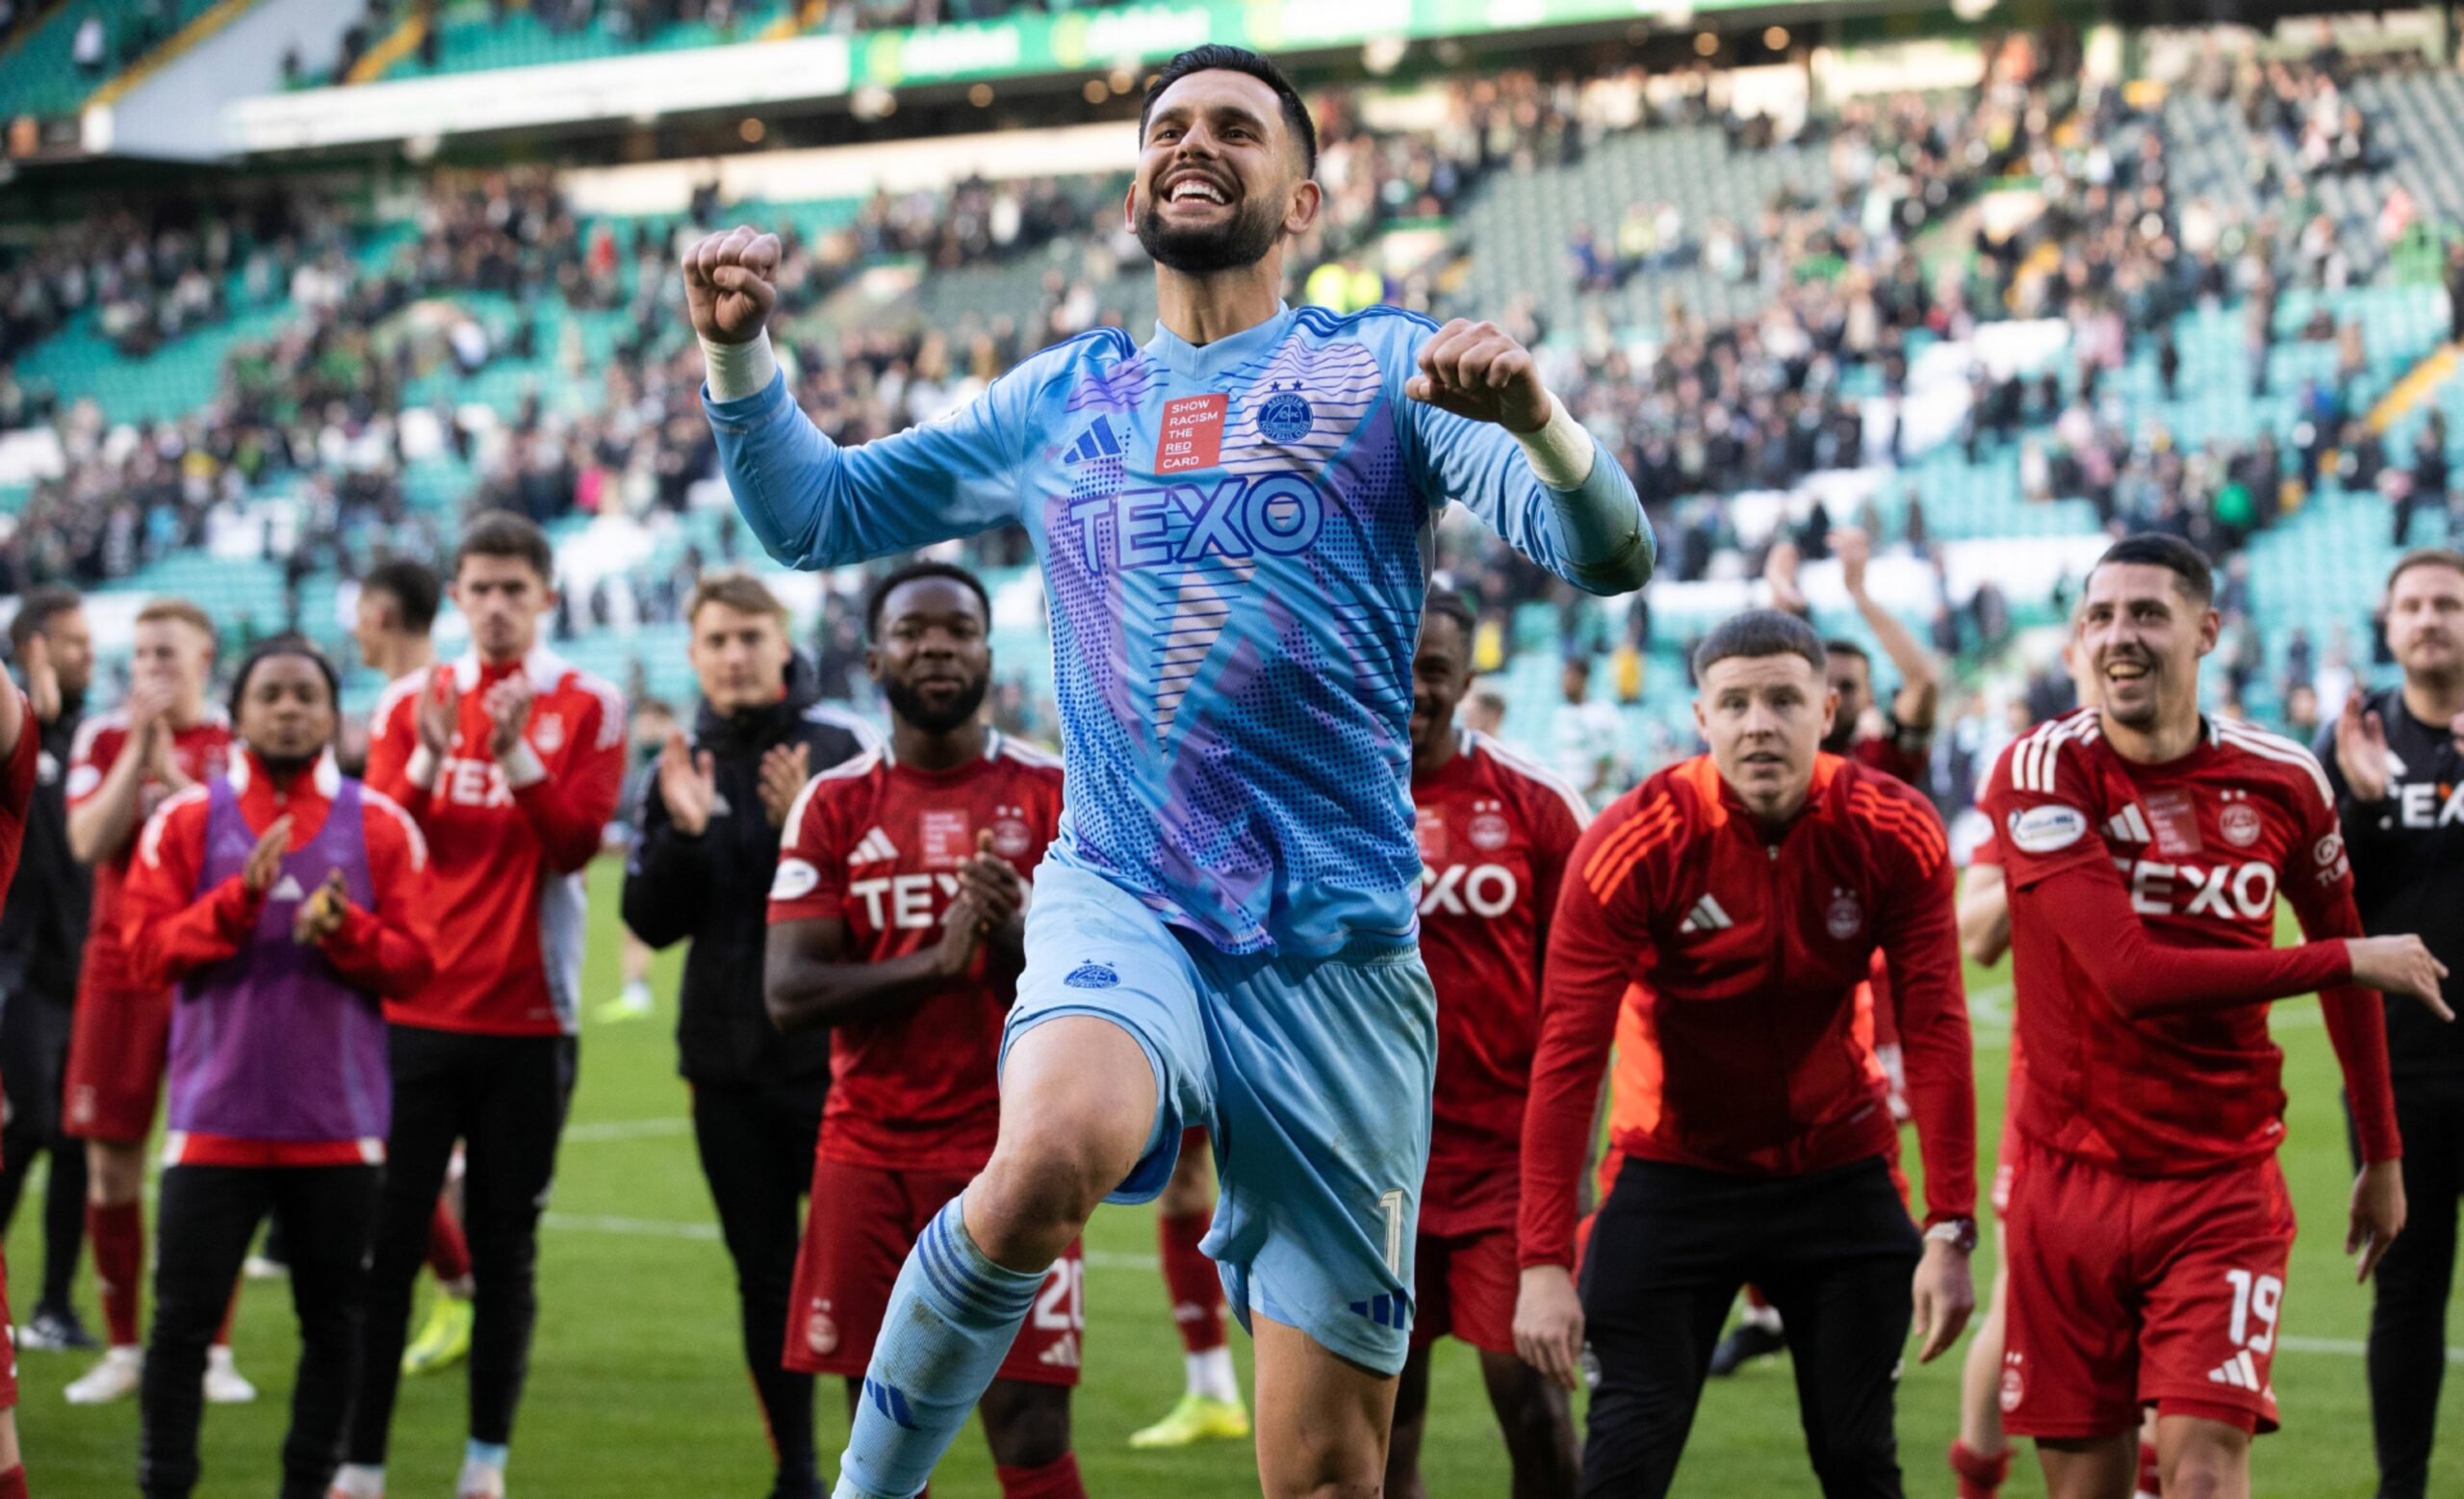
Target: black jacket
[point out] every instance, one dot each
(42, 930)
(2408, 871)
(714, 890)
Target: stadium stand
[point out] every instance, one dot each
(1754, 308)
(53, 60)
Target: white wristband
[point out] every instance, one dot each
(522, 767)
(737, 370)
(421, 769)
(1560, 453)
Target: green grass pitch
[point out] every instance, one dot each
(637, 1390)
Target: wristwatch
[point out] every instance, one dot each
(1959, 1233)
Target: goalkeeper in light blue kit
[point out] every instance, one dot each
(1235, 525)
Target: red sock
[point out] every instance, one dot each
(1754, 1298)
(2151, 1473)
(449, 1253)
(13, 1484)
(1979, 1475)
(1055, 1480)
(1197, 1291)
(117, 1233)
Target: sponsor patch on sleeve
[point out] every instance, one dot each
(2049, 829)
(794, 880)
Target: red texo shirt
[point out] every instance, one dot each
(1495, 831)
(2143, 924)
(505, 860)
(170, 933)
(876, 845)
(198, 750)
(1726, 961)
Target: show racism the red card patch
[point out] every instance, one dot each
(1193, 437)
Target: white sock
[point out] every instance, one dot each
(359, 1481)
(1764, 1317)
(638, 993)
(217, 1355)
(1210, 1374)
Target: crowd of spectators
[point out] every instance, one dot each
(500, 268)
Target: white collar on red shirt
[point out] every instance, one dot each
(329, 773)
(992, 747)
(543, 666)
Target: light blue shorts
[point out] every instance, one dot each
(1312, 1076)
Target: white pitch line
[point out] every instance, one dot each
(598, 1130)
(1112, 1260)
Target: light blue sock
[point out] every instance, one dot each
(951, 1319)
(492, 1454)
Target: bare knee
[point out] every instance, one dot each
(115, 1171)
(1036, 1195)
(2203, 1460)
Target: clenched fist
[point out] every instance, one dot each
(730, 284)
(1477, 371)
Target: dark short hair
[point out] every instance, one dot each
(1220, 57)
(37, 610)
(2424, 557)
(919, 572)
(1446, 604)
(414, 589)
(1836, 646)
(1759, 632)
(504, 533)
(2155, 548)
(268, 649)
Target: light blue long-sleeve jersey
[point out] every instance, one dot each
(1236, 542)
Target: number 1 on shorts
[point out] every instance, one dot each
(1390, 1204)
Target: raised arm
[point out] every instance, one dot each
(811, 503)
(1481, 428)
(1920, 675)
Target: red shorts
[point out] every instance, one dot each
(118, 1045)
(1465, 1285)
(2134, 1291)
(863, 1222)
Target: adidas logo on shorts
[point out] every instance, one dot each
(1063, 1355)
(1092, 975)
(2237, 1371)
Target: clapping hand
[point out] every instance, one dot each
(264, 860)
(785, 770)
(508, 709)
(688, 784)
(320, 915)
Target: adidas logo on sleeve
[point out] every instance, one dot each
(1706, 916)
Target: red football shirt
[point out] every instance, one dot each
(506, 849)
(199, 751)
(876, 845)
(1724, 958)
(2173, 1083)
(1495, 831)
